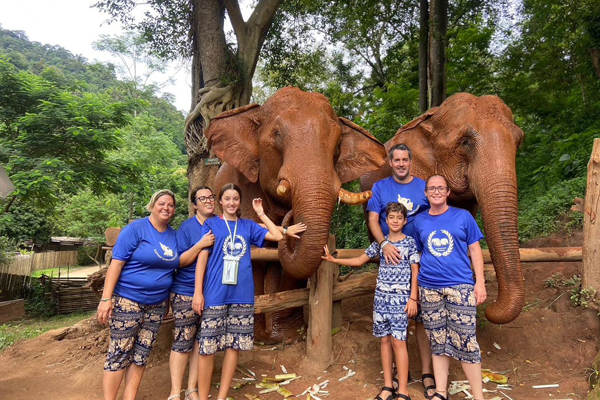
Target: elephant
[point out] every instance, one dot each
(473, 141)
(294, 153)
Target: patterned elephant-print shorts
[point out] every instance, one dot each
(449, 316)
(230, 326)
(187, 323)
(133, 331)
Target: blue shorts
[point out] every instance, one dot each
(229, 326)
(389, 317)
(133, 331)
(187, 323)
(450, 320)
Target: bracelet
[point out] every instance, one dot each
(382, 245)
(105, 300)
(261, 214)
(412, 299)
(285, 231)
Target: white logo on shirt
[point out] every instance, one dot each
(440, 247)
(167, 253)
(238, 249)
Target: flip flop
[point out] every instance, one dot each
(188, 392)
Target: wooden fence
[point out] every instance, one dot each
(25, 264)
(70, 296)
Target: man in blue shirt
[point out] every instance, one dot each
(404, 188)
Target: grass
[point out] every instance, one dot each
(15, 331)
(53, 272)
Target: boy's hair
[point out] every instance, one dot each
(396, 207)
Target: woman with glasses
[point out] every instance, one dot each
(449, 295)
(190, 242)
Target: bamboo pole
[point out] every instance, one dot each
(542, 254)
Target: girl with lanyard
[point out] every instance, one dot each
(449, 295)
(224, 293)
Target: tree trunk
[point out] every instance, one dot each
(595, 54)
(423, 44)
(437, 41)
(213, 65)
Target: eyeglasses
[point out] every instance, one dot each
(432, 189)
(206, 199)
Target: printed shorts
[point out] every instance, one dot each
(389, 317)
(449, 317)
(133, 331)
(187, 323)
(230, 326)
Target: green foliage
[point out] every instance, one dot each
(39, 303)
(555, 281)
(541, 216)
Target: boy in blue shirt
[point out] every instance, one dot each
(395, 298)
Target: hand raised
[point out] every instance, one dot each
(257, 205)
(294, 230)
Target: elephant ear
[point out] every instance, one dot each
(360, 152)
(422, 121)
(233, 136)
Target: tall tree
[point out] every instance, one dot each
(221, 72)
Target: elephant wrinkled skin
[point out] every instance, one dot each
(473, 141)
(294, 153)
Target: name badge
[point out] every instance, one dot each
(230, 270)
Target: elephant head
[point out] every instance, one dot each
(300, 153)
(473, 142)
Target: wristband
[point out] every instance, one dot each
(105, 300)
(285, 231)
(382, 245)
(261, 214)
(412, 299)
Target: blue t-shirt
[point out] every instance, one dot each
(411, 194)
(395, 278)
(188, 235)
(444, 242)
(249, 233)
(150, 259)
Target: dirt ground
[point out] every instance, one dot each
(551, 342)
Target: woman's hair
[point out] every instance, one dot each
(438, 175)
(193, 192)
(158, 195)
(396, 207)
(231, 186)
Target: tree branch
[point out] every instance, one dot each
(263, 14)
(235, 16)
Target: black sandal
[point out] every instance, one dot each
(386, 389)
(402, 396)
(429, 387)
(439, 396)
(396, 382)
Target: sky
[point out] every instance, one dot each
(74, 25)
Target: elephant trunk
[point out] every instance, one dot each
(313, 205)
(499, 210)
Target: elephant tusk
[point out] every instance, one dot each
(354, 199)
(283, 188)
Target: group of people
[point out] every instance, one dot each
(204, 272)
(426, 249)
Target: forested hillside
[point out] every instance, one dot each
(84, 149)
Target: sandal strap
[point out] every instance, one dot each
(402, 396)
(388, 389)
(174, 396)
(439, 396)
(427, 376)
(190, 391)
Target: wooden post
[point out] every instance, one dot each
(320, 303)
(336, 312)
(591, 225)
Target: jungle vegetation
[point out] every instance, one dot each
(86, 148)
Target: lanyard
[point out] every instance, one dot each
(232, 236)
